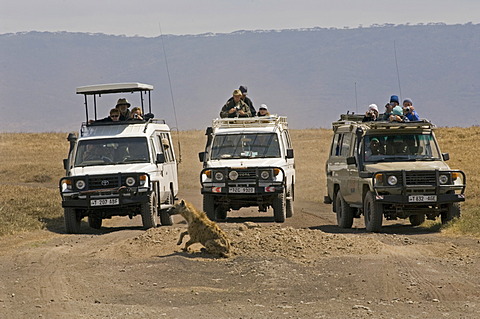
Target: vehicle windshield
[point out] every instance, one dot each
(112, 151)
(402, 147)
(253, 145)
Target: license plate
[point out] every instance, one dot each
(422, 198)
(104, 202)
(242, 190)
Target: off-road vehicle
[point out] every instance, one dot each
(119, 168)
(248, 162)
(392, 170)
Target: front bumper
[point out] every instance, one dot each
(127, 197)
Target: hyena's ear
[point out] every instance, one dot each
(182, 203)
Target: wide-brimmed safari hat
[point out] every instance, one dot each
(123, 101)
(237, 92)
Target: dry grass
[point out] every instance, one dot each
(31, 165)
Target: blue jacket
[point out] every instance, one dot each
(413, 116)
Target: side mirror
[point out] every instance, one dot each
(65, 164)
(290, 153)
(351, 160)
(201, 156)
(445, 156)
(160, 158)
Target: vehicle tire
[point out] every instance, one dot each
(209, 206)
(454, 211)
(94, 222)
(165, 218)
(72, 220)
(289, 205)
(220, 213)
(416, 220)
(150, 212)
(345, 213)
(373, 213)
(279, 206)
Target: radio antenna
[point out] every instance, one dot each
(171, 94)
(398, 73)
(356, 100)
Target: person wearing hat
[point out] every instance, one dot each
(371, 114)
(122, 106)
(235, 107)
(263, 110)
(397, 114)
(409, 110)
(246, 99)
(394, 101)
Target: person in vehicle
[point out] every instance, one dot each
(263, 110)
(235, 107)
(247, 100)
(409, 110)
(394, 101)
(135, 114)
(113, 117)
(122, 106)
(96, 152)
(371, 114)
(397, 114)
(375, 147)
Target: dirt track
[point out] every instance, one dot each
(304, 268)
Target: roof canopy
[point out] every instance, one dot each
(113, 88)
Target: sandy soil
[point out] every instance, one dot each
(304, 268)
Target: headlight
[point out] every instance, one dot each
(443, 179)
(130, 181)
(392, 180)
(66, 185)
(265, 174)
(80, 184)
(233, 175)
(219, 176)
(143, 179)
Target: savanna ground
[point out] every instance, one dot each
(304, 268)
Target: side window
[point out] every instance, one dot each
(289, 141)
(345, 151)
(336, 145)
(166, 146)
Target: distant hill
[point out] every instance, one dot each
(310, 75)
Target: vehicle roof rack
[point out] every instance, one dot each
(348, 119)
(88, 127)
(240, 122)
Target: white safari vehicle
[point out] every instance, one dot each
(119, 168)
(248, 162)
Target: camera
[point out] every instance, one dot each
(407, 109)
(135, 116)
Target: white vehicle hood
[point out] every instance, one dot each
(409, 166)
(248, 162)
(111, 169)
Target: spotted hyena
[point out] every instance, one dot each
(202, 230)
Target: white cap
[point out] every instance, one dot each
(373, 107)
(263, 106)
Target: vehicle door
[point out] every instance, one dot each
(290, 162)
(335, 163)
(346, 171)
(169, 176)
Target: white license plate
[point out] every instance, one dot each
(104, 202)
(241, 190)
(422, 198)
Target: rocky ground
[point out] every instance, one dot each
(304, 268)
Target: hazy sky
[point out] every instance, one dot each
(143, 17)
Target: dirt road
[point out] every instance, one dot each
(304, 268)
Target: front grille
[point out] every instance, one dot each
(420, 178)
(246, 174)
(109, 181)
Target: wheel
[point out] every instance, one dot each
(279, 206)
(94, 222)
(150, 212)
(373, 213)
(72, 220)
(416, 220)
(289, 205)
(345, 213)
(209, 206)
(220, 213)
(454, 211)
(165, 218)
